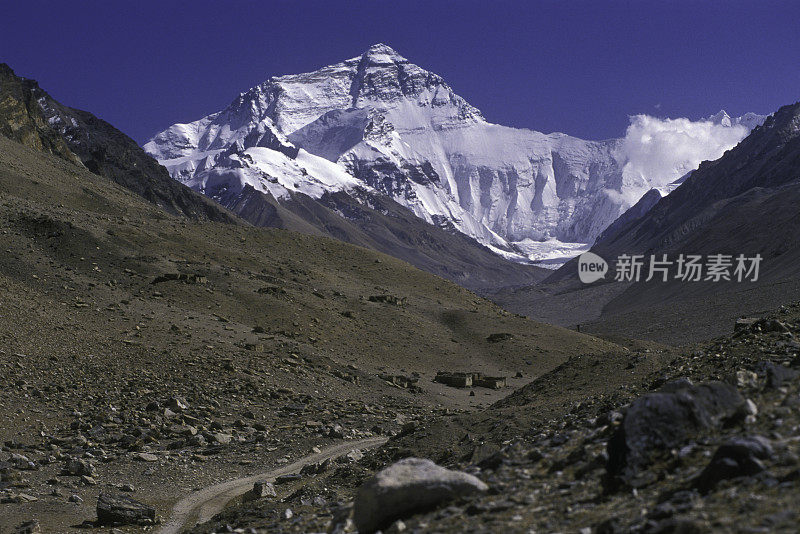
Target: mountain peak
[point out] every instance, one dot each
(748, 120)
(381, 54)
(722, 118)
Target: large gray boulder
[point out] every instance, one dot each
(408, 486)
(669, 418)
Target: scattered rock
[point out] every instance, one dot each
(79, 467)
(17, 498)
(21, 462)
(177, 404)
(180, 277)
(122, 510)
(263, 489)
(406, 487)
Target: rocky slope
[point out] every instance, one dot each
(31, 116)
(375, 221)
(767, 159)
(146, 354)
(705, 439)
(743, 203)
(380, 122)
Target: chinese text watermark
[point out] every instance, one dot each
(659, 267)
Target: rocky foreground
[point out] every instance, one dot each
(705, 441)
(146, 356)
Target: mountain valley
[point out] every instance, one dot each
(317, 310)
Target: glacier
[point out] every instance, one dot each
(380, 123)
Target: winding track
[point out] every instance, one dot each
(203, 504)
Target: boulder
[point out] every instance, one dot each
(263, 489)
(406, 487)
(738, 457)
(744, 323)
(79, 467)
(354, 455)
(177, 404)
(222, 438)
(667, 419)
(122, 510)
(777, 375)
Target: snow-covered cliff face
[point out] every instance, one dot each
(381, 123)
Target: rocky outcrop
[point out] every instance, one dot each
(660, 421)
(32, 117)
(406, 487)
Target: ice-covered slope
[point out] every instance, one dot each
(379, 122)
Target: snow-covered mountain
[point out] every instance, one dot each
(379, 123)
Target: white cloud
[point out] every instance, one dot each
(657, 151)
(627, 197)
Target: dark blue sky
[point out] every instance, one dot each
(580, 67)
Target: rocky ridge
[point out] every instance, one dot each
(29, 115)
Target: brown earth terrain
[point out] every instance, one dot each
(143, 351)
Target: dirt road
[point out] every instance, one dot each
(202, 505)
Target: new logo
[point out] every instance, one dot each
(591, 267)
